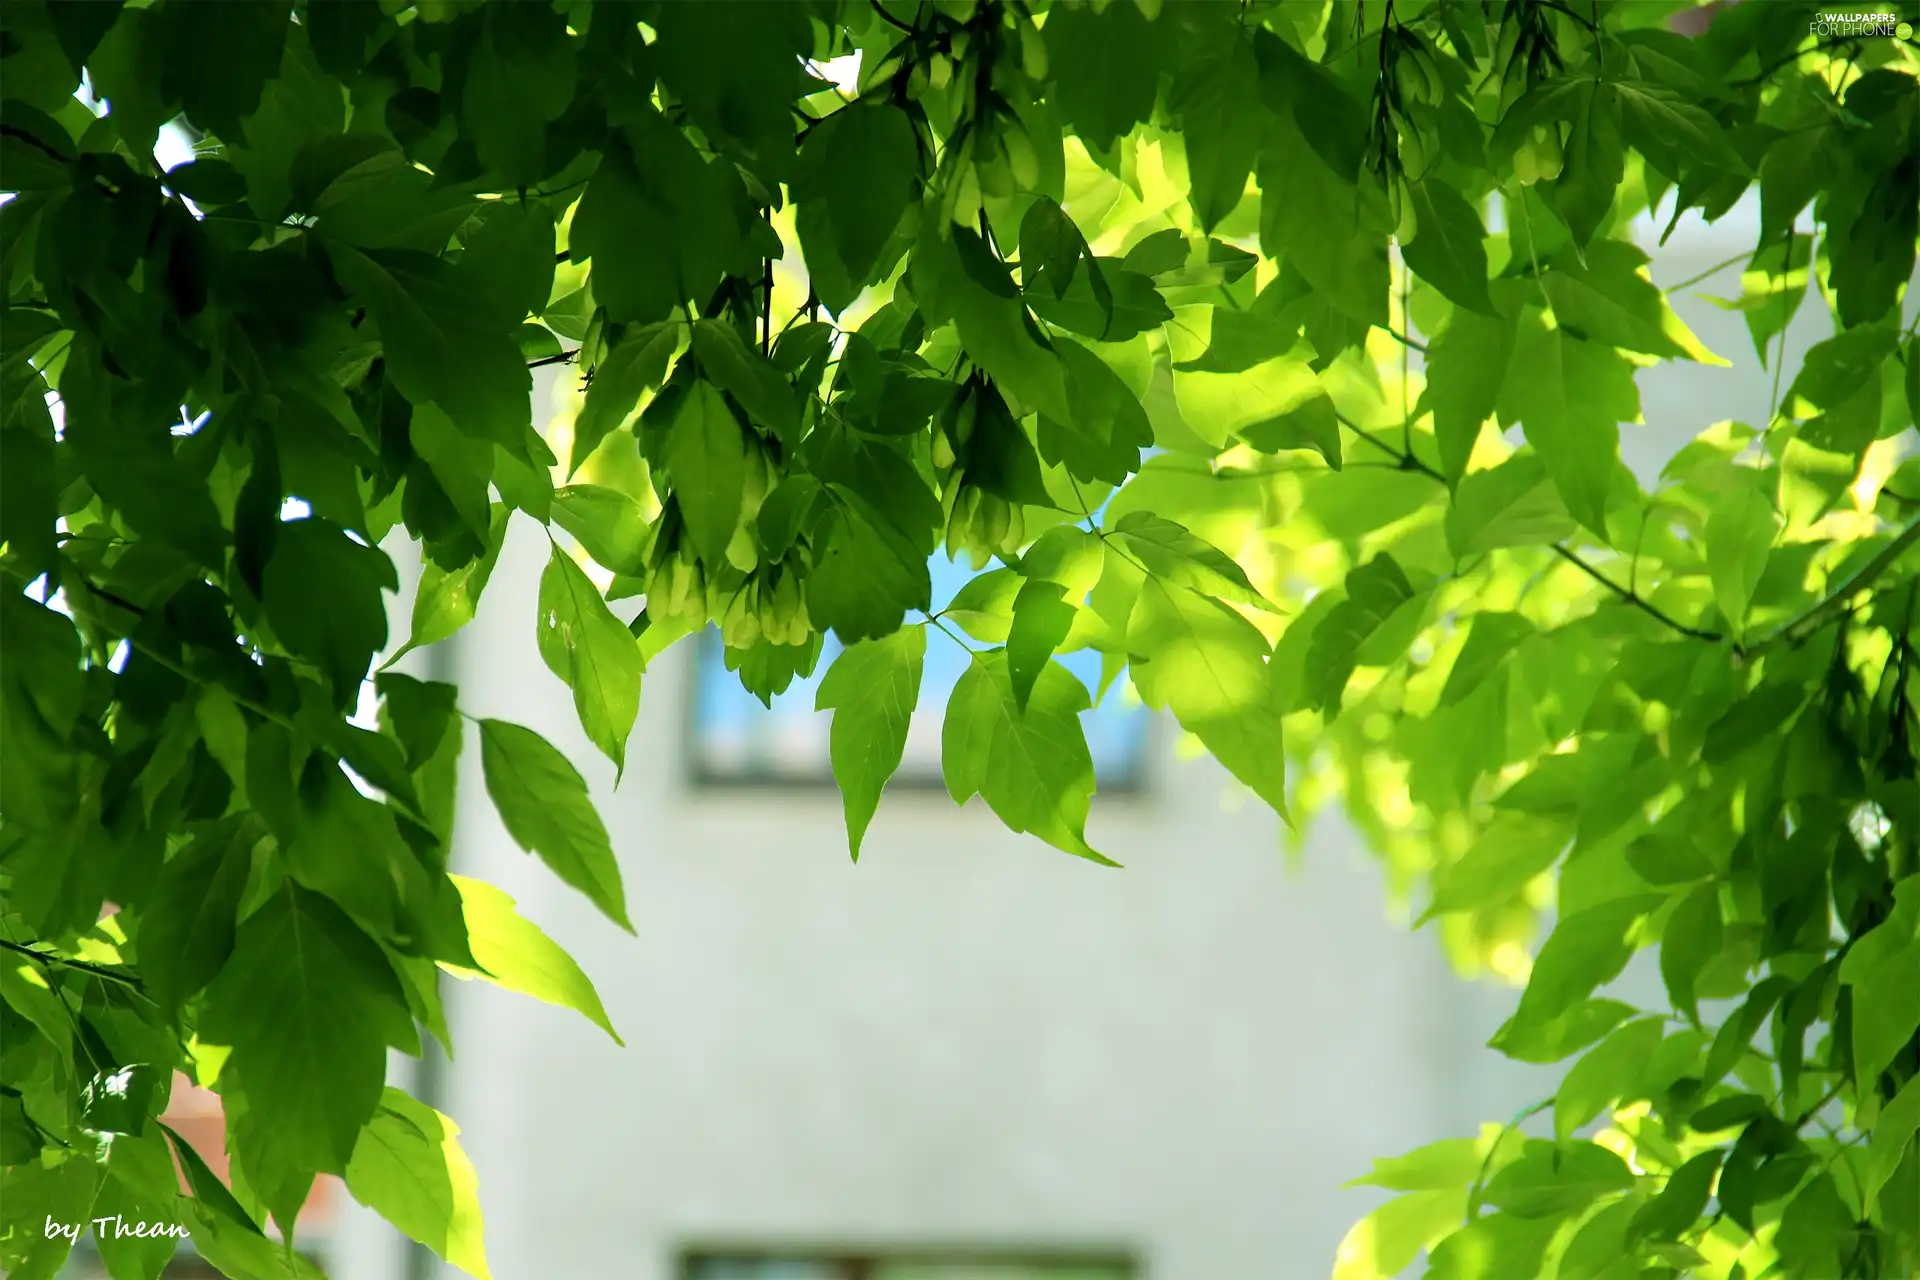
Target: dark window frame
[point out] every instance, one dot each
(849, 1261)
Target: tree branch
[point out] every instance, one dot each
(1813, 619)
(1410, 462)
(1634, 598)
(83, 966)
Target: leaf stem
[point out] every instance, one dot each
(1814, 618)
(934, 619)
(1479, 1179)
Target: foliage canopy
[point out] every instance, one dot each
(1120, 302)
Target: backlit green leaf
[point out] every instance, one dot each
(1031, 766)
(514, 953)
(872, 688)
(585, 645)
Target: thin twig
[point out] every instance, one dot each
(1713, 270)
(1767, 73)
(1403, 339)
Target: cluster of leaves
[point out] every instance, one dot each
(1121, 305)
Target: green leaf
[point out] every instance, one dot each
(1449, 250)
(1197, 657)
(1385, 1242)
(609, 524)
(117, 1100)
(1375, 590)
(543, 801)
(861, 166)
(1586, 949)
(322, 592)
(1500, 863)
(1739, 537)
(1550, 1180)
(1510, 505)
(1604, 296)
(993, 326)
(409, 1167)
(1834, 371)
(585, 645)
(510, 244)
(308, 1006)
(1883, 968)
(738, 71)
(1216, 97)
(1466, 366)
(872, 688)
(1608, 1074)
(748, 377)
(1106, 302)
(999, 456)
(218, 73)
(383, 202)
(515, 954)
(869, 573)
(417, 715)
(1664, 126)
(1892, 1138)
(1494, 1246)
(1570, 396)
(1106, 69)
(637, 363)
(462, 466)
(1693, 937)
(1218, 405)
(1492, 638)
(1331, 230)
(1677, 1209)
(1816, 1231)
(707, 460)
(1109, 428)
(659, 232)
(1451, 1163)
(521, 76)
(1180, 556)
(186, 928)
(438, 340)
(1595, 159)
(1042, 616)
(445, 600)
(1031, 767)
(1314, 425)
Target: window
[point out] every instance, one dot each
(736, 740)
(903, 1265)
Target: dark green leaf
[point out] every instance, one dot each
(1448, 251)
(543, 803)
